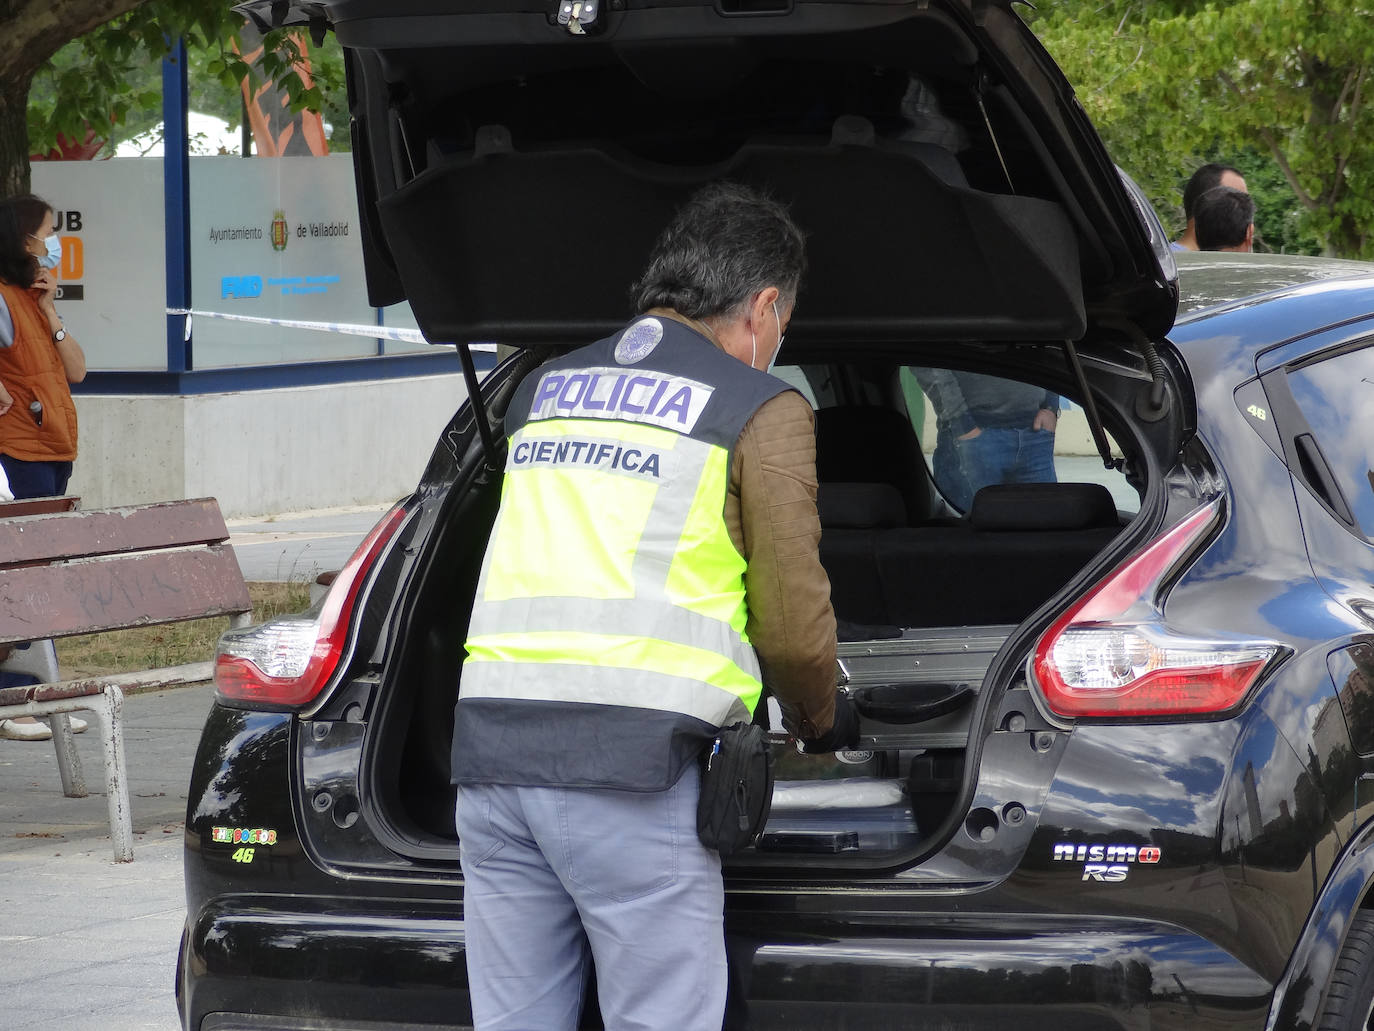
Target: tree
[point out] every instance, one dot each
(1170, 82)
(105, 75)
(139, 102)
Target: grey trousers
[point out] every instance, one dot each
(553, 875)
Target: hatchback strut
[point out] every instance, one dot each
(992, 133)
(1099, 432)
(479, 408)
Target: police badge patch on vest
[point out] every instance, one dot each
(638, 340)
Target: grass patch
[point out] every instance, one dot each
(171, 644)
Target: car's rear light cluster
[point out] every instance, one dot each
(1112, 655)
(285, 663)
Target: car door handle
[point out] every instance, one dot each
(1317, 473)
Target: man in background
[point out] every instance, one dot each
(1225, 220)
(1208, 177)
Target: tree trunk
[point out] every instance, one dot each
(14, 135)
(34, 30)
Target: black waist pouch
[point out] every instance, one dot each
(736, 788)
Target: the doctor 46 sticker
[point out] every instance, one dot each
(1107, 863)
(247, 838)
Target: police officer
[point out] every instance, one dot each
(653, 564)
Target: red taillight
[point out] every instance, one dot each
(1112, 654)
(285, 663)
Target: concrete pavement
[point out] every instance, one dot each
(298, 546)
(88, 944)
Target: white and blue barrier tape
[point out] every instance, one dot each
(405, 335)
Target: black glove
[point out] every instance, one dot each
(843, 733)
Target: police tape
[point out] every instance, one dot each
(404, 335)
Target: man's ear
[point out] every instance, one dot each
(1250, 237)
(761, 310)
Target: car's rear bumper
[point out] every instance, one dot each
(345, 964)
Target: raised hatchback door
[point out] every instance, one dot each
(514, 169)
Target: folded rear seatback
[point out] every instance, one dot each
(1019, 545)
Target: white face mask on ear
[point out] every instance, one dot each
(774, 360)
(754, 344)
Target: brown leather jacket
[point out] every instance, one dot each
(770, 511)
(31, 369)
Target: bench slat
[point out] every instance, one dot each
(35, 506)
(109, 531)
(115, 593)
(87, 687)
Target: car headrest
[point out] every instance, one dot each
(1043, 506)
(874, 445)
(860, 506)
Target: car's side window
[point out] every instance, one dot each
(978, 430)
(1336, 398)
(796, 376)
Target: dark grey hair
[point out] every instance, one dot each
(725, 244)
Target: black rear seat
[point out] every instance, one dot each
(874, 446)
(853, 516)
(1019, 545)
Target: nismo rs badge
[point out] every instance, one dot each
(1106, 863)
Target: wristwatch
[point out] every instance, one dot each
(59, 336)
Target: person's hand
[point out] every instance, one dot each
(6, 401)
(45, 286)
(971, 433)
(1045, 420)
(843, 733)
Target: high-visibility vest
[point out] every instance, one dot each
(607, 640)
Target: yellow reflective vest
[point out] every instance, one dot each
(607, 638)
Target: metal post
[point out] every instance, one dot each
(176, 194)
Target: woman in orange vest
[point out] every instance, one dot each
(38, 359)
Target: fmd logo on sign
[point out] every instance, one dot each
(240, 286)
(72, 269)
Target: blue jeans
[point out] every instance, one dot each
(553, 876)
(1002, 456)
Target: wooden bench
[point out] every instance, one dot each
(65, 572)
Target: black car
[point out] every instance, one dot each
(1118, 724)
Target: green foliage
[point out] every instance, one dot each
(1276, 88)
(112, 76)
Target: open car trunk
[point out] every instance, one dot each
(938, 612)
(515, 161)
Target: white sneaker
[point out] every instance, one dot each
(78, 725)
(13, 730)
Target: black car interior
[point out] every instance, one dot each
(1025, 541)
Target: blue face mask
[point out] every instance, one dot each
(54, 256)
